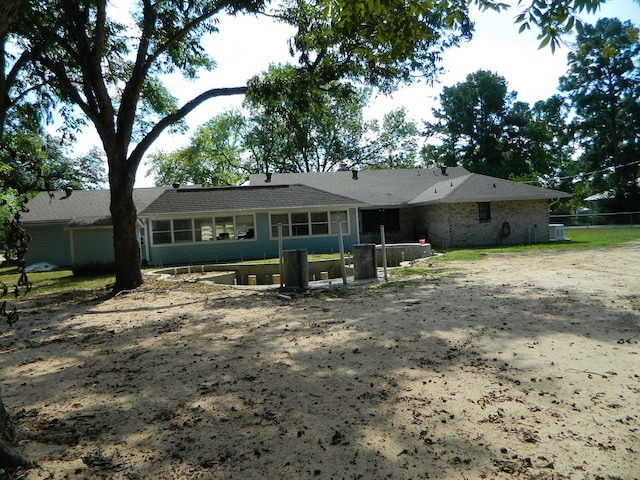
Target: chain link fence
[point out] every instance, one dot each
(618, 219)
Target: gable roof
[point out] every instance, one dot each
(190, 200)
(81, 207)
(384, 188)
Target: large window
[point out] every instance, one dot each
(190, 230)
(300, 224)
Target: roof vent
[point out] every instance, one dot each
(175, 184)
(443, 169)
(494, 185)
(68, 191)
(268, 179)
(354, 174)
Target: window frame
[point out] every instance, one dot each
(311, 225)
(197, 232)
(484, 212)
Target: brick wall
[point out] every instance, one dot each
(458, 225)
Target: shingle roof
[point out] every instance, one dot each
(482, 188)
(82, 207)
(413, 186)
(246, 198)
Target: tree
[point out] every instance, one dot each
(112, 71)
(603, 87)
(396, 143)
(471, 118)
(332, 134)
(313, 130)
(484, 128)
(212, 158)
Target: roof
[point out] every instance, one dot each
(82, 207)
(190, 200)
(377, 188)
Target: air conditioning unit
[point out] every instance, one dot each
(556, 232)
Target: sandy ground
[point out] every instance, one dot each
(514, 366)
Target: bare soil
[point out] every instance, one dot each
(514, 366)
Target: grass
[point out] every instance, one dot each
(56, 281)
(578, 238)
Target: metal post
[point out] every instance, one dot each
(341, 247)
(384, 252)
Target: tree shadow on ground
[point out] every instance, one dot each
(440, 380)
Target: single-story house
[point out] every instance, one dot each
(449, 207)
(191, 224)
(195, 225)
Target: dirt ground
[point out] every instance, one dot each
(514, 366)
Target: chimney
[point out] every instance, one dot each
(443, 169)
(268, 179)
(68, 191)
(354, 174)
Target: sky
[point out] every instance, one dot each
(246, 46)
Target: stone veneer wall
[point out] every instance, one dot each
(457, 225)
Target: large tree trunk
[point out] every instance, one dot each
(125, 243)
(10, 458)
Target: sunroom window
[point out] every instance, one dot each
(224, 228)
(203, 228)
(182, 230)
(161, 231)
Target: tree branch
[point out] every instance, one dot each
(154, 133)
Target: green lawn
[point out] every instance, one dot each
(63, 280)
(587, 237)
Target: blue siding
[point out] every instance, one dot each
(260, 247)
(93, 246)
(49, 243)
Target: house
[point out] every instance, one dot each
(449, 207)
(191, 225)
(73, 227)
(195, 225)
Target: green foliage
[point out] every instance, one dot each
(603, 87)
(482, 127)
(213, 157)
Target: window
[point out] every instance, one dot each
(319, 223)
(342, 218)
(182, 230)
(284, 220)
(372, 219)
(203, 229)
(244, 227)
(189, 230)
(224, 228)
(301, 224)
(484, 212)
(161, 231)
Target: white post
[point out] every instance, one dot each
(384, 252)
(341, 246)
